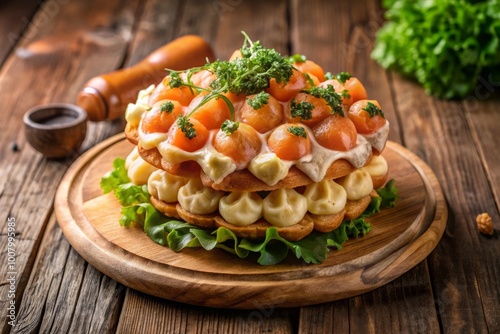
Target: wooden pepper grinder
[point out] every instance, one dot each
(106, 96)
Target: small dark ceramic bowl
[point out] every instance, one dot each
(55, 130)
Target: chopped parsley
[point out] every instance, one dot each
(373, 110)
(167, 107)
(333, 99)
(302, 109)
(229, 127)
(258, 101)
(345, 94)
(342, 77)
(175, 80)
(251, 73)
(297, 131)
(247, 75)
(186, 126)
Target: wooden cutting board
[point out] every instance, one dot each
(400, 239)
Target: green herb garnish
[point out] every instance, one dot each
(175, 80)
(247, 75)
(259, 100)
(251, 73)
(342, 77)
(373, 110)
(186, 126)
(229, 126)
(302, 109)
(297, 131)
(333, 99)
(445, 45)
(167, 107)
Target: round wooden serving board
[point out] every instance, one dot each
(400, 239)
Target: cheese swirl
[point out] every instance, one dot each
(284, 207)
(357, 184)
(165, 186)
(325, 197)
(198, 199)
(241, 208)
(138, 170)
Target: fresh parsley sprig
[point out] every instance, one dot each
(167, 107)
(297, 131)
(229, 127)
(333, 99)
(301, 109)
(373, 110)
(247, 75)
(259, 100)
(186, 126)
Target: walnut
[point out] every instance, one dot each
(485, 223)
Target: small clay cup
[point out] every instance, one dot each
(55, 130)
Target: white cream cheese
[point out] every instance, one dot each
(241, 208)
(284, 207)
(320, 159)
(325, 197)
(357, 184)
(378, 139)
(134, 111)
(138, 170)
(198, 199)
(269, 168)
(165, 186)
(377, 166)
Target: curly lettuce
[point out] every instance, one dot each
(177, 235)
(446, 45)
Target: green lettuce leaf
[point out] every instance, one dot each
(445, 45)
(115, 177)
(273, 249)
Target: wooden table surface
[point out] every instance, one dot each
(49, 50)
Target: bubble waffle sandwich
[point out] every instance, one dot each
(258, 141)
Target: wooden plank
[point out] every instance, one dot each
(261, 20)
(349, 40)
(483, 117)
(62, 50)
(14, 19)
(53, 297)
(146, 314)
(99, 304)
(356, 314)
(464, 265)
(153, 30)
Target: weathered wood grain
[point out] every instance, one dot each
(464, 266)
(483, 117)
(50, 64)
(153, 315)
(14, 20)
(262, 20)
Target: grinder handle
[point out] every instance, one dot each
(106, 96)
